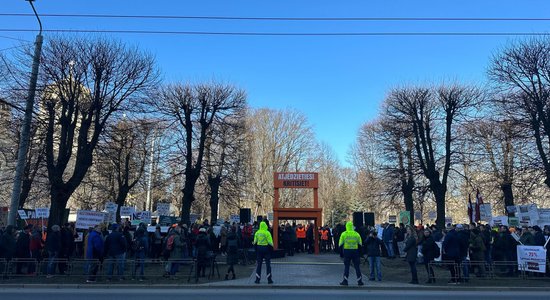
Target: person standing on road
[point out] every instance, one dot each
(263, 242)
(350, 241)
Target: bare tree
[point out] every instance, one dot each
(86, 82)
(194, 109)
(522, 71)
(431, 115)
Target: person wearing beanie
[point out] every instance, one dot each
(264, 243)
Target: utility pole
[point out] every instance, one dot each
(26, 127)
(148, 203)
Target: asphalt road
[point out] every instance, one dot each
(260, 293)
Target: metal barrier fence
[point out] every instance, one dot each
(482, 270)
(109, 269)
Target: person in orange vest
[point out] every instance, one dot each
(324, 239)
(301, 235)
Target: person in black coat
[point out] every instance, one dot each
(203, 251)
(23, 249)
(464, 242)
(373, 244)
(451, 253)
(430, 251)
(232, 252)
(67, 246)
(53, 246)
(412, 252)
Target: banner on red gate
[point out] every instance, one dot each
(532, 259)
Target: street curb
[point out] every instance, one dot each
(292, 287)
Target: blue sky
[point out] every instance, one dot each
(338, 82)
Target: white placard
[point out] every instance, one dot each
(439, 258)
(163, 209)
(145, 217)
(532, 259)
(42, 212)
(110, 217)
(127, 211)
(217, 230)
(22, 214)
(235, 219)
(432, 215)
(111, 207)
(485, 212)
(499, 220)
(88, 218)
(193, 218)
(270, 216)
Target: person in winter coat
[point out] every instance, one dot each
(203, 249)
(387, 238)
(53, 246)
(451, 253)
(140, 247)
(35, 247)
(223, 240)
(430, 251)
(464, 242)
(477, 252)
(412, 252)
(264, 244)
(350, 241)
(8, 243)
(23, 249)
(232, 250)
(287, 240)
(373, 244)
(502, 248)
(115, 249)
(94, 251)
(157, 243)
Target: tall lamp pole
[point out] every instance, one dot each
(26, 127)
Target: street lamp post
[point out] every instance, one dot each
(26, 127)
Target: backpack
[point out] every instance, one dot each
(170, 242)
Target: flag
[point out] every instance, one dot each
(479, 201)
(470, 209)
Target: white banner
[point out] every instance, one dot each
(485, 212)
(498, 221)
(110, 217)
(163, 209)
(234, 219)
(42, 212)
(88, 218)
(432, 215)
(532, 259)
(111, 207)
(22, 214)
(127, 211)
(193, 218)
(440, 244)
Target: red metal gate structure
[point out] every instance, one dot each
(296, 180)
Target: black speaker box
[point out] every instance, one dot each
(245, 214)
(369, 218)
(358, 219)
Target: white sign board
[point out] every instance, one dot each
(270, 216)
(235, 219)
(498, 221)
(163, 209)
(432, 215)
(532, 259)
(193, 218)
(43, 212)
(439, 258)
(528, 214)
(544, 217)
(88, 218)
(127, 211)
(485, 212)
(111, 207)
(22, 214)
(110, 217)
(143, 217)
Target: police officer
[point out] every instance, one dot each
(263, 241)
(351, 240)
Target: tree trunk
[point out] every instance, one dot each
(59, 198)
(188, 197)
(121, 199)
(508, 194)
(408, 198)
(25, 190)
(214, 183)
(439, 195)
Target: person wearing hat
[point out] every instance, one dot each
(203, 248)
(350, 240)
(94, 252)
(264, 242)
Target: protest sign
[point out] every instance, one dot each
(513, 221)
(163, 229)
(167, 220)
(270, 216)
(405, 217)
(87, 218)
(440, 244)
(511, 209)
(235, 219)
(532, 259)
(485, 212)
(163, 209)
(110, 217)
(544, 217)
(42, 212)
(127, 211)
(432, 215)
(22, 214)
(111, 207)
(220, 221)
(417, 215)
(499, 220)
(392, 219)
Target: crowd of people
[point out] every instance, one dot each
(465, 248)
